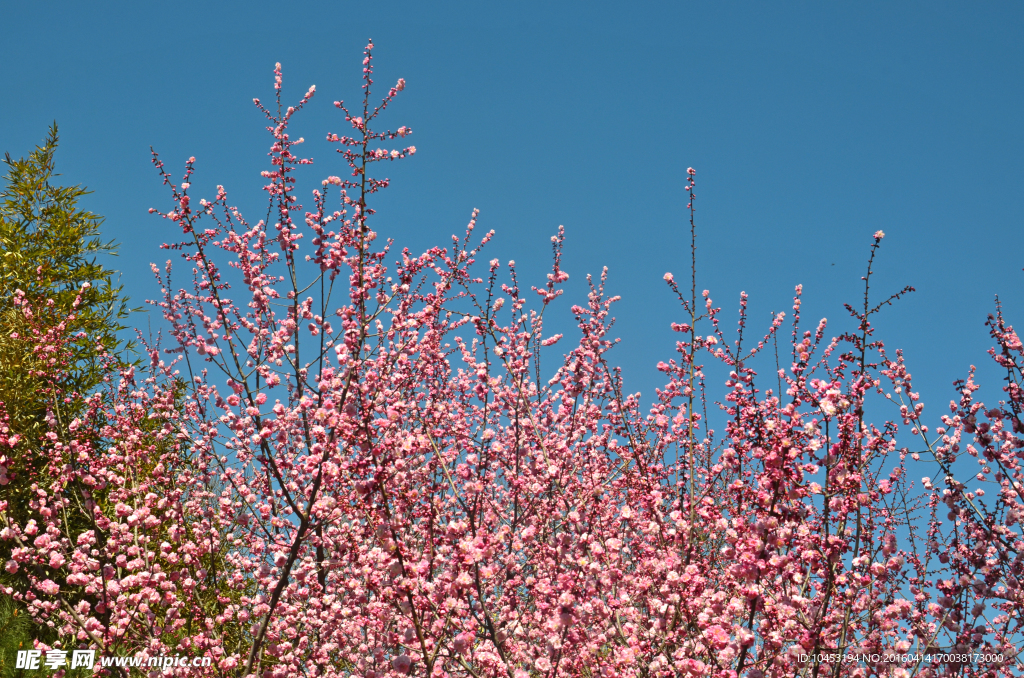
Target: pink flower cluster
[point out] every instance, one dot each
(351, 468)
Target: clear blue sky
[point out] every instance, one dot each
(811, 126)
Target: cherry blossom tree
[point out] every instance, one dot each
(349, 462)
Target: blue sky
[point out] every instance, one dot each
(811, 125)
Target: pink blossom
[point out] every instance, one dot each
(424, 498)
(402, 663)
